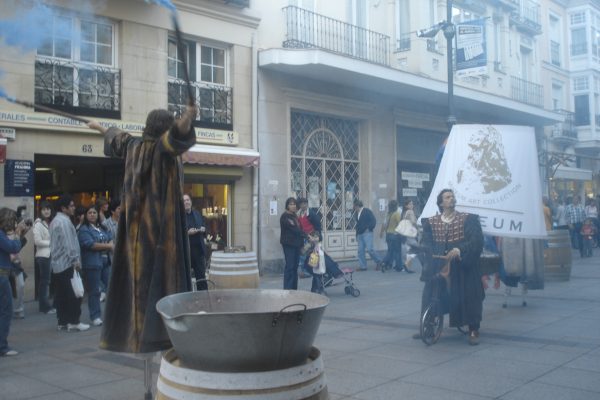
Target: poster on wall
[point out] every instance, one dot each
(471, 53)
(18, 178)
(493, 172)
(314, 194)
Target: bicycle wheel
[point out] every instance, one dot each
(431, 326)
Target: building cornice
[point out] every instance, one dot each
(243, 17)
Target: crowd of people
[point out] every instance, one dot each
(580, 219)
(64, 245)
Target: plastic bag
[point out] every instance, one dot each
(77, 285)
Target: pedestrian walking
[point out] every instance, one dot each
(365, 223)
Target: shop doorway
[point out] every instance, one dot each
(85, 178)
(325, 170)
(213, 201)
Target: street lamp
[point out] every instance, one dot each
(449, 31)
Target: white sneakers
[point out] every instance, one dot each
(102, 296)
(10, 353)
(77, 327)
(97, 322)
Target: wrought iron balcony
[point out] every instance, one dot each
(527, 20)
(306, 29)
(527, 92)
(215, 103)
(565, 132)
(78, 88)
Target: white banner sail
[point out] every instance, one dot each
(493, 171)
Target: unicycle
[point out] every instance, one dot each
(432, 320)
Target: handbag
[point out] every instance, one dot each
(77, 284)
(406, 228)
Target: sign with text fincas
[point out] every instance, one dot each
(493, 171)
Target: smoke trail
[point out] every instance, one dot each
(27, 29)
(163, 3)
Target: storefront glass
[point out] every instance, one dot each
(213, 202)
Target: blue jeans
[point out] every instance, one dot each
(6, 311)
(290, 271)
(394, 251)
(365, 244)
(43, 264)
(91, 277)
(105, 275)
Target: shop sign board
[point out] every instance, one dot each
(14, 119)
(18, 178)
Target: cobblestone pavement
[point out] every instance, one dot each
(547, 350)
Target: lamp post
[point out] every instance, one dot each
(449, 31)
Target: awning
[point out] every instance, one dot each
(576, 174)
(220, 155)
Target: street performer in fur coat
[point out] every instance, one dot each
(151, 256)
(459, 238)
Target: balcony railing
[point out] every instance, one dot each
(565, 131)
(527, 20)
(527, 92)
(215, 103)
(306, 29)
(78, 88)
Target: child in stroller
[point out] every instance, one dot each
(332, 273)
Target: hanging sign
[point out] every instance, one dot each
(493, 172)
(471, 53)
(18, 178)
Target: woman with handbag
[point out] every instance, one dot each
(392, 238)
(407, 228)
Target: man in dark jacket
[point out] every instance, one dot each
(365, 223)
(196, 231)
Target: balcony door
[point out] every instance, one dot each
(325, 170)
(359, 18)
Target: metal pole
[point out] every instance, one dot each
(449, 32)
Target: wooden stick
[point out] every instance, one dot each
(181, 51)
(50, 110)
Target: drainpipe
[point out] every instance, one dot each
(255, 170)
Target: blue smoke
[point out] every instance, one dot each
(163, 3)
(27, 28)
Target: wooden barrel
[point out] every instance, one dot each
(234, 270)
(304, 382)
(557, 256)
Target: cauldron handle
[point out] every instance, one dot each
(208, 281)
(298, 318)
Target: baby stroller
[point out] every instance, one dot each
(333, 275)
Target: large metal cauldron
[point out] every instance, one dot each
(242, 330)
